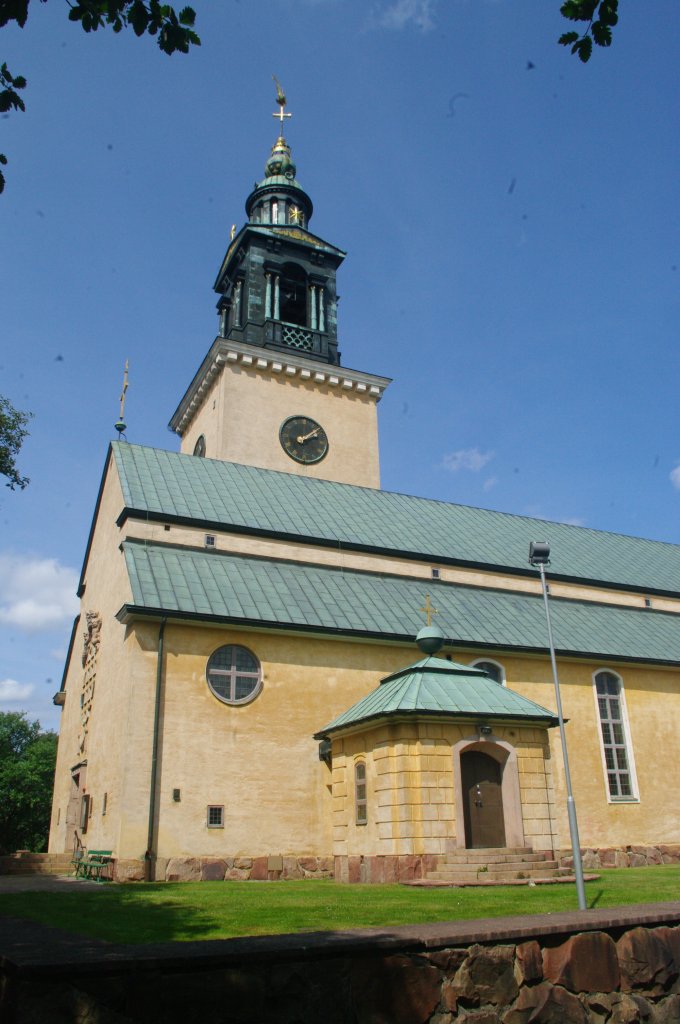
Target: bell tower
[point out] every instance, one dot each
(271, 392)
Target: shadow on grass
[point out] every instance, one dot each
(596, 898)
(116, 913)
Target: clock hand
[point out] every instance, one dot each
(306, 437)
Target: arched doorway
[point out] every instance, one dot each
(482, 783)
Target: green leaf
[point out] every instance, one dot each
(584, 49)
(187, 16)
(568, 38)
(3, 159)
(602, 34)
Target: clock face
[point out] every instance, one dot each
(303, 439)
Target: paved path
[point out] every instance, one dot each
(43, 883)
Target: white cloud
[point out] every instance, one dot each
(466, 458)
(12, 692)
(491, 482)
(675, 477)
(402, 13)
(36, 594)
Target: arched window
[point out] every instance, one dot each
(616, 749)
(293, 301)
(360, 797)
(492, 668)
(234, 674)
(199, 447)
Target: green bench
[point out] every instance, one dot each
(96, 865)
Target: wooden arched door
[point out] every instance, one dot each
(482, 800)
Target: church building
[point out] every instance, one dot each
(243, 696)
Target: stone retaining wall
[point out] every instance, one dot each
(621, 856)
(618, 966)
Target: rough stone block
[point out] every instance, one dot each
(391, 868)
(183, 869)
(237, 874)
(584, 963)
(213, 870)
(243, 862)
(667, 1011)
(545, 1004)
(394, 990)
(376, 870)
(259, 869)
(591, 861)
(354, 869)
(645, 962)
(528, 962)
(409, 868)
(487, 976)
(671, 938)
(341, 869)
(129, 871)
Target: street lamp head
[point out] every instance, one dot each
(539, 552)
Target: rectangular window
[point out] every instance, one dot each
(360, 801)
(84, 812)
(104, 803)
(613, 732)
(215, 816)
(436, 574)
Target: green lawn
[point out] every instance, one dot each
(211, 910)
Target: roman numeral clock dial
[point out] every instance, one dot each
(303, 439)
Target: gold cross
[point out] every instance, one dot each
(429, 610)
(281, 100)
(296, 215)
(122, 394)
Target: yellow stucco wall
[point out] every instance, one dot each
(242, 413)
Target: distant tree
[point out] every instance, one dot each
(601, 16)
(175, 34)
(13, 430)
(27, 760)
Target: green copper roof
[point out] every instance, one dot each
(226, 588)
(439, 687)
(229, 496)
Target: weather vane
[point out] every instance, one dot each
(428, 609)
(281, 100)
(121, 424)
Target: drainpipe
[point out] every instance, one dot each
(150, 855)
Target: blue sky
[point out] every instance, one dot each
(513, 257)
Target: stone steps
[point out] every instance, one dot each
(497, 858)
(36, 864)
(469, 867)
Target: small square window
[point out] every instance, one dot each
(210, 540)
(648, 602)
(436, 574)
(215, 816)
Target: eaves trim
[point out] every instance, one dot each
(128, 612)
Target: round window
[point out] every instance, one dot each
(234, 674)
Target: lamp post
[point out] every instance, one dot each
(539, 556)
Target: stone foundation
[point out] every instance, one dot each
(621, 856)
(226, 869)
(618, 966)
